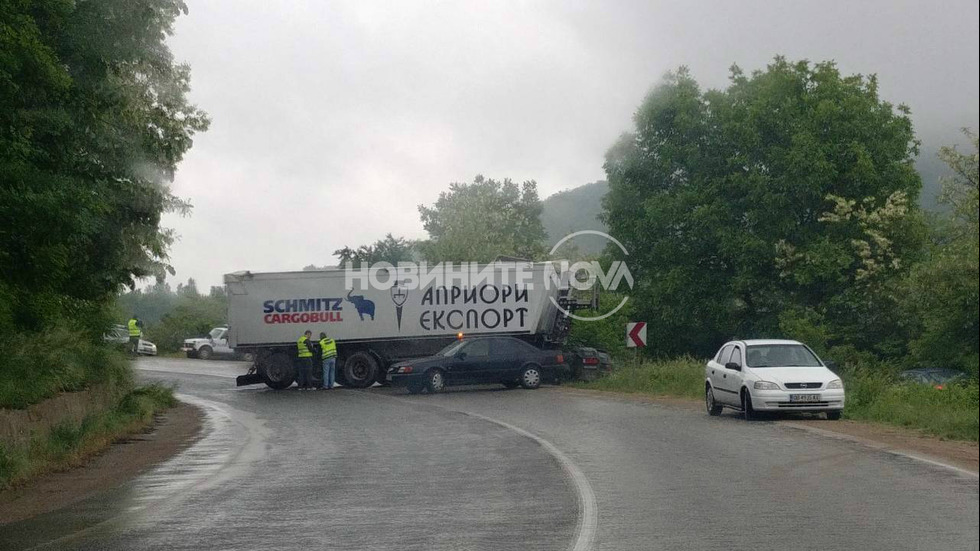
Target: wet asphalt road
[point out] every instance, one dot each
(487, 468)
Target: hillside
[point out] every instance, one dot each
(574, 210)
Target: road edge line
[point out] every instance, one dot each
(588, 508)
(588, 505)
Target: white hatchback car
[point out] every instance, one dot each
(771, 375)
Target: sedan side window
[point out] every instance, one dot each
(724, 354)
(479, 349)
(737, 356)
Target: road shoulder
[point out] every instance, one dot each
(959, 454)
(171, 433)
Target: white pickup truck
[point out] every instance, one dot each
(215, 344)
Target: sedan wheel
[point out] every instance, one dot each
(436, 382)
(531, 377)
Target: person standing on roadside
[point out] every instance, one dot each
(328, 352)
(135, 332)
(304, 361)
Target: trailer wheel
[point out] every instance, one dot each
(360, 370)
(279, 371)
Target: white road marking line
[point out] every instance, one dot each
(588, 508)
(588, 518)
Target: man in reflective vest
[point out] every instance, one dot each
(134, 334)
(328, 352)
(304, 361)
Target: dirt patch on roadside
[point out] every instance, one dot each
(965, 455)
(173, 431)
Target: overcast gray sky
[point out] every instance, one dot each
(332, 120)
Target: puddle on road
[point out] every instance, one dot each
(233, 443)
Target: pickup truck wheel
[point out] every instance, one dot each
(531, 377)
(360, 370)
(279, 372)
(205, 352)
(436, 381)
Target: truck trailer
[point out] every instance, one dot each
(376, 325)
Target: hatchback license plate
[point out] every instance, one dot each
(804, 397)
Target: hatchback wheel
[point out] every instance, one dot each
(531, 377)
(747, 411)
(436, 381)
(709, 401)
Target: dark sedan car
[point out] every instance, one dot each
(937, 377)
(504, 360)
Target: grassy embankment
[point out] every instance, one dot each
(872, 395)
(69, 444)
(39, 366)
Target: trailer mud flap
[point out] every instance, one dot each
(250, 379)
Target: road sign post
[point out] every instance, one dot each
(636, 338)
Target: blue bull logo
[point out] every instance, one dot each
(364, 306)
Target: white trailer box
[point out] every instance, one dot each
(270, 311)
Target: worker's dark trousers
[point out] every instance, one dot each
(304, 372)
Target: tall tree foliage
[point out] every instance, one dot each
(740, 205)
(391, 249)
(479, 221)
(93, 121)
(943, 292)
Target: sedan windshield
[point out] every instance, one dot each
(781, 355)
(451, 349)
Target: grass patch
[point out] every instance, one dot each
(69, 444)
(34, 367)
(682, 377)
(873, 394)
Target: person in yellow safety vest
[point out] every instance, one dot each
(304, 362)
(328, 354)
(134, 334)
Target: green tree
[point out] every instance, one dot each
(479, 221)
(943, 292)
(726, 198)
(192, 316)
(93, 121)
(391, 249)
